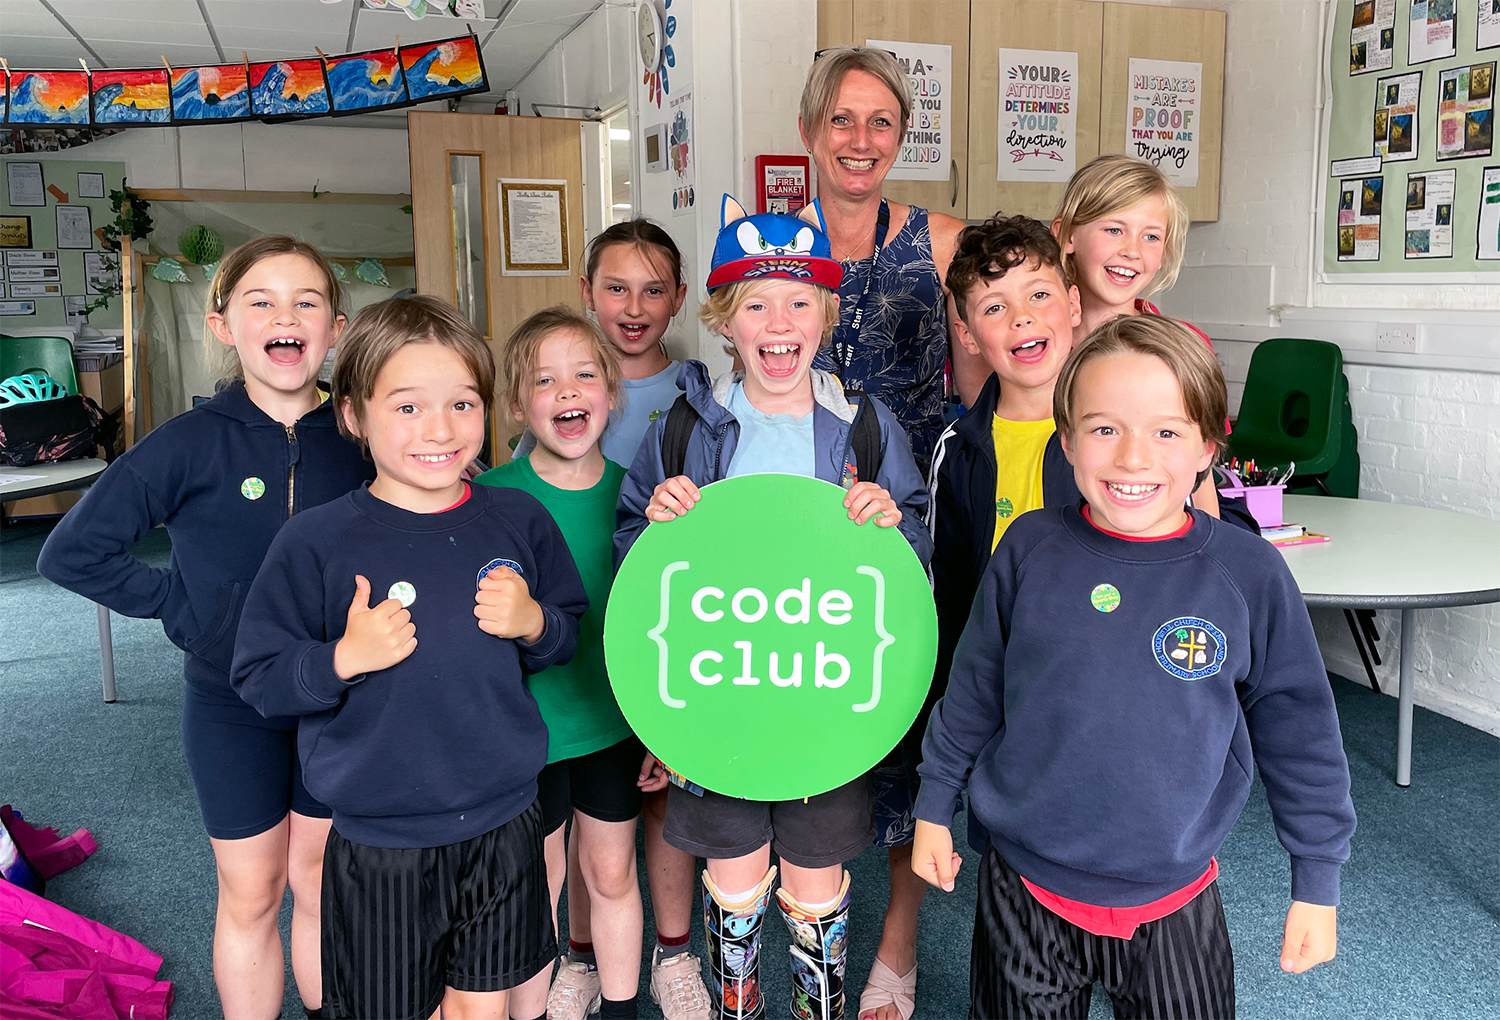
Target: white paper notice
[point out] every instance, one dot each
(1359, 219)
(1489, 214)
(101, 273)
(927, 149)
(73, 227)
(681, 150)
(534, 214)
(1429, 214)
(1396, 116)
(24, 181)
(1432, 36)
(73, 310)
(1163, 114)
(1038, 115)
(1372, 36)
(1466, 111)
(1487, 35)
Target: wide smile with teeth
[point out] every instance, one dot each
(857, 164)
(632, 330)
(1031, 350)
(435, 458)
(285, 350)
(572, 423)
(1120, 274)
(1132, 493)
(780, 360)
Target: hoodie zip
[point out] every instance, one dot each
(294, 454)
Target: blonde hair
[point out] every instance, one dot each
(519, 356)
(826, 77)
(232, 269)
(1108, 184)
(724, 301)
(380, 330)
(1197, 370)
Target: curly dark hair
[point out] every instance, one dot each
(994, 248)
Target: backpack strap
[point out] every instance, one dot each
(864, 438)
(681, 418)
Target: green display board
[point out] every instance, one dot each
(765, 646)
(1431, 137)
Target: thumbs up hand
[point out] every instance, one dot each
(376, 637)
(506, 609)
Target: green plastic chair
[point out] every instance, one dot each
(50, 354)
(1292, 410)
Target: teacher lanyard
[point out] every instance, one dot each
(882, 225)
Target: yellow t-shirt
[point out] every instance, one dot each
(1019, 448)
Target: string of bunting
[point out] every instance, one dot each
(274, 90)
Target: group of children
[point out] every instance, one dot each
(405, 746)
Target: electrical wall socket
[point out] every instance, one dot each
(1396, 338)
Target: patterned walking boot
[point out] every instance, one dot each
(732, 931)
(820, 953)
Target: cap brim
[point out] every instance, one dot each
(803, 269)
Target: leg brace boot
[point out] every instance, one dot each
(820, 953)
(732, 931)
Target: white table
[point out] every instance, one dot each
(65, 476)
(1393, 556)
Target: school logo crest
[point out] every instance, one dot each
(1189, 648)
(498, 562)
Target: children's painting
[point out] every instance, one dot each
(289, 88)
(209, 94)
(48, 97)
(366, 81)
(446, 68)
(132, 97)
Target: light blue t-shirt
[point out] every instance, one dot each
(770, 442)
(641, 402)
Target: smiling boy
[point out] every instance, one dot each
(416, 727)
(1126, 666)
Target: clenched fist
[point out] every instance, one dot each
(376, 637)
(506, 609)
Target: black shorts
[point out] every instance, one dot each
(244, 766)
(601, 784)
(400, 925)
(1028, 962)
(819, 832)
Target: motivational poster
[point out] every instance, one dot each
(1360, 201)
(1038, 115)
(1429, 214)
(1372, 36)
(1163, 117)
(1396, 116)
(927, 150)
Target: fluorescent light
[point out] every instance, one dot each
(620, 205)
(619, 134)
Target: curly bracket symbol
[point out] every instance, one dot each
(886, 638)
(655, 635)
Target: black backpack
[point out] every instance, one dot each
(864, 442)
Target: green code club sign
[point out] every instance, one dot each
(764, 645)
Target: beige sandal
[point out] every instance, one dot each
(887, 988)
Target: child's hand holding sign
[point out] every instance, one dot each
(506, 609)
(376, 637)
(866, 500)
(672, 498)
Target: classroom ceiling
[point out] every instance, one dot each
(38, 34)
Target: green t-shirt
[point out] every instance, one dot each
(575, 699)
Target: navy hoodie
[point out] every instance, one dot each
(1110, 699)
(446, 744)
(223, 478)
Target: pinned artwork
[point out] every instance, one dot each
(416, 10)
(212, 94)
(372, 271)
(442, 69)
(127, 98)
(48, 97)
(366, 81)
(169, 270)
(289, 88)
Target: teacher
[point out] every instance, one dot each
(893, 338)
(893, 341)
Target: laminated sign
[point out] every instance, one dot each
(765, 646)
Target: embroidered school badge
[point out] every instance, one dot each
(1189, 648)
(252, 488)
(498, 562)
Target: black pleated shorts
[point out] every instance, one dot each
(819, 832)
(1028, 962)
(399, 925)
(600, 784)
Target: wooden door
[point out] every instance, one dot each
(1167, 33)
(1068, 25)
(535, 148)
(852, 22)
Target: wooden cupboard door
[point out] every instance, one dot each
(545, 148)
(1067, 25)
(946, 22)
(1167, 33)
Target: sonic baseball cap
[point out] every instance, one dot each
(773, 246)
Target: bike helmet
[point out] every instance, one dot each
(31, 388)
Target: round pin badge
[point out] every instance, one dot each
(402, 592)
(252, 488)
(1105, 598)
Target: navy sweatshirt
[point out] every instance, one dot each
(446, 744)
(1108, 753)
(223, 478)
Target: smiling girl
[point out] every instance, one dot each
(223, 478)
